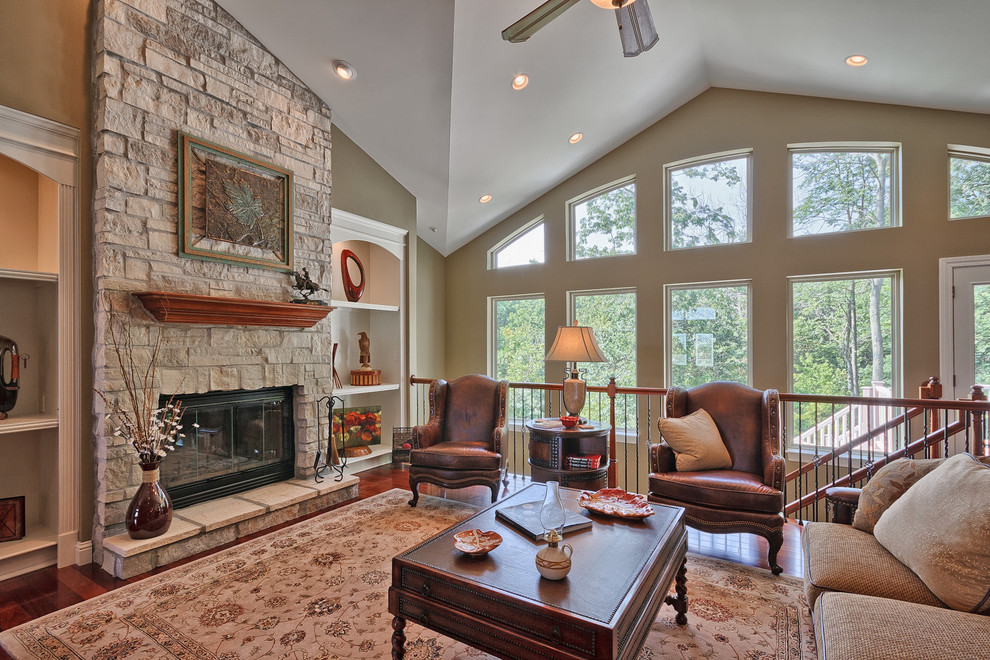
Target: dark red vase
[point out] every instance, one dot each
(150, 512)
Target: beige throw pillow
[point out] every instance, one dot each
(886, 486)
(696, 442)
(940, 529)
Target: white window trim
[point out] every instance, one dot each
(591, 194)
(981, 154)
(812, 147)
(668, 168)
(668, 339)
(896, 275)
(493, 301)
(511, 238)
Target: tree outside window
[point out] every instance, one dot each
(981, 334)
(842, 190)
(843, 336)
(612, 317)
(709, 202)
(969, 186)
(708, 334)
(605, 225)
(519, 336)
(526, 248)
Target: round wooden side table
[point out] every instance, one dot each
(550, 447)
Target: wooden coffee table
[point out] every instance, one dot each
(620, 575)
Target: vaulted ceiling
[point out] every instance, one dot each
(432, 102)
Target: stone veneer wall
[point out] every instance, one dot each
(162, 66)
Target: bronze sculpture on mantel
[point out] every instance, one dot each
(306, 287)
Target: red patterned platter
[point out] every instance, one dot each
(616, 502)
(476, 542)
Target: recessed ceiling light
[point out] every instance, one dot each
(574, 139)
(344, 70)
(857, 60)
(484, 199)
(433, 229)
(520, 81)
(610, 4)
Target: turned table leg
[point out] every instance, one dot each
(398, 638)
(680, 601)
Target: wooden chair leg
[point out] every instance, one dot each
(494, 488)
(776, 540)
(414, 487)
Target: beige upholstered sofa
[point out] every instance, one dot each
(867, 604)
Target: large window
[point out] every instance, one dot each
(603, 224)
(969, 184)
(843, 334)
(708, 336)
(839, 188)
(612, 316)
(518, 339)
(522, 247)
(708, 200)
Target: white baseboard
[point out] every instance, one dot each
(84, 553)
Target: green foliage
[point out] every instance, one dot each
(699, 197)
(612, 317)
(841, 191)
(832, 338)
(969, 188)
(981, 310)
(606, 225)
(710, 328)
(519, 342)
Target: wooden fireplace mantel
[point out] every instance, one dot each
(213, 310)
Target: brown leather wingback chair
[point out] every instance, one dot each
(747, 497)
(461, 444)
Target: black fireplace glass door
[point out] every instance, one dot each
(234, 441)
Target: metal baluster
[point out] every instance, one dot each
(945, 433)
(818, 462)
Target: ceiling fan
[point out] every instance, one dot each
(636, 28)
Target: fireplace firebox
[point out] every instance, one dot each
(234, 441)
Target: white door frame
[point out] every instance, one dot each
(946, 267)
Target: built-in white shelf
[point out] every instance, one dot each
(347, 304)
(37, 538)
(376, 452)
(32, 275)
(21, 423)
(348, 390)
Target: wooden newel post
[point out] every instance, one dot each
(977, 393)
(611, 433)
(932, 389)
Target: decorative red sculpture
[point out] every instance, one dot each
(8, 387)
(351, 290)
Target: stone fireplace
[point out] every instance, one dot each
(164, 67)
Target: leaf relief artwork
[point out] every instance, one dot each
(243, 208)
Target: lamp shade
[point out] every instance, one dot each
(575, 343)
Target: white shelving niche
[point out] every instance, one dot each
(39, 310)
(382, 313)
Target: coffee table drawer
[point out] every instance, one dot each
(552, 627)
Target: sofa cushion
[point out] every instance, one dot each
(940, 528)
(724, 489)
(696, 442)
(842, 558)
(871, 628)
(889, 483)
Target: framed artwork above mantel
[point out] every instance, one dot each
(233, 207)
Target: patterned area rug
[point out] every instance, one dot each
(317, 590)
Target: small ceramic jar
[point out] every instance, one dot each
(554, 562)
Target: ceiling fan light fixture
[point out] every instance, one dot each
(611, 4)
(343, 70)
(857, 60)
(520, 81)
(575, 138)
(636, 29)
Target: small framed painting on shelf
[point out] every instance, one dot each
(12, 518)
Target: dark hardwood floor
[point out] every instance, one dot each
(35, 594)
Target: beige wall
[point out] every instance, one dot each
(18, 215)
(45, 51)
(720, 120)
(362, 186)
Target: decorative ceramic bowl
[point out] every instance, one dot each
(616, 502)
(569, 422)
(476, 542)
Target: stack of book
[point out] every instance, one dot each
(586, 462)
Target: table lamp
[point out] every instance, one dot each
(574, 343)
